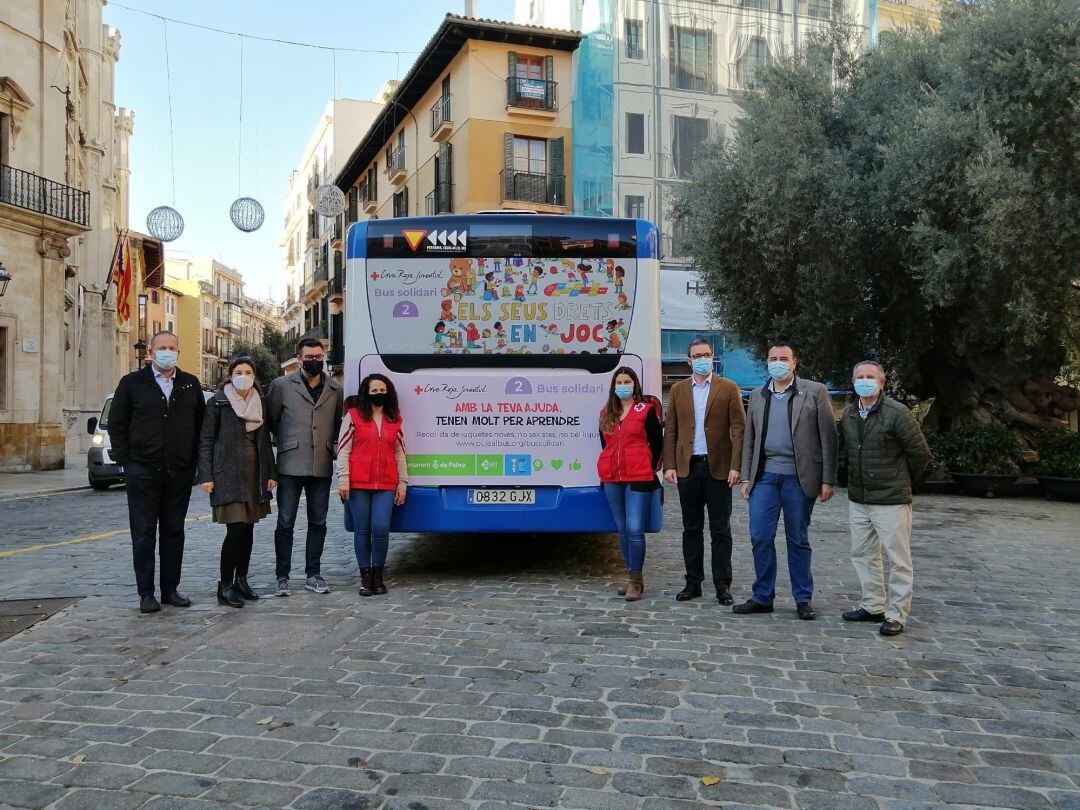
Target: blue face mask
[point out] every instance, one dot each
(165, 359)
(701, 365)
(624, 391)
(866, 387)
(778, 369)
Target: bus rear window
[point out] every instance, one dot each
(459, 306)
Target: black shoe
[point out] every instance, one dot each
(806, 611)
(891, 627)
(688, 593)
(861, 615)
(148, 604)
(750, 606)
(176, 599)
(242, 588)
(366, 586)
(377, 584)
(724, 598)
(228, 595)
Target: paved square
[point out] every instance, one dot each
(505, 672)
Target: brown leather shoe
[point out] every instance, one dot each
(622, 590)
(635, 588)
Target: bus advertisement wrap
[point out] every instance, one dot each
(534, 427)
(505, 306)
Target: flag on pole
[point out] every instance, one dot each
(123, 282)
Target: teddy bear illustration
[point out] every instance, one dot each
(459, 283)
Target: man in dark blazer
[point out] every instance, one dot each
(702, 451)
(154, 425)
(788, 461)
(303, 410)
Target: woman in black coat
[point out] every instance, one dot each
(236, 468)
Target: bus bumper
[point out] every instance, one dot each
(557, 509)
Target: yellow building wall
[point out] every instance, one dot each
(896, 14)
(189, 326)
(480, 117)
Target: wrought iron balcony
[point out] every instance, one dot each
(531, 187)
(28, 190)
(321, 274)
(440, 200)
(441, 119)
(532, 94)
(337, 284)
(395, 165)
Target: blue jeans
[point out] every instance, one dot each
(772, 493)
(630, 510)
(288, 502)
(371, 509)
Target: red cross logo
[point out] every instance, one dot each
(374, 276)
(418, 390)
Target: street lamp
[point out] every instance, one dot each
(140, 348)
(5, 279)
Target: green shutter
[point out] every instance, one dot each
(549, 82)
(556, 171)
(673, 56)
(508, 166)
(443, 179)
(511, 76)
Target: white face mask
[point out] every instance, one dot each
(242, 383)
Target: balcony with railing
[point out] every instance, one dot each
(532, 96)
(314, 231)
(395, 165)
(533, 187)
(440, 200)
(369, 198)
(228, 324)
(31, 192)
(442, 121)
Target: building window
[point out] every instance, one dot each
(751, 63)
(5, 365)
(530, 81)
(632, 31)
(171, 326)
(157, 328)
(530, 155)
(688, 136)
(822, 9)
(691, 58)
(5, 141)
(635, 134)
(154, 297)
(764, 5)
(401, 203)
(634, 206)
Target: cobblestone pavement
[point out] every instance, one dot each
(504, 672)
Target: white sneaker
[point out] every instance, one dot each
(283, 588)
(317, 584)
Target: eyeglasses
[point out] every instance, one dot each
(701, 357)
(306, 357)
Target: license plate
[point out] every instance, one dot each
(496, 497)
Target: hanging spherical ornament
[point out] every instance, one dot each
(165, 223)
(329, 200)
(247, 214)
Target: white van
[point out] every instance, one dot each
(101, 469)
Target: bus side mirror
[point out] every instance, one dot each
(91, 425)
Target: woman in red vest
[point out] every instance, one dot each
(632, 439)
(372, 475)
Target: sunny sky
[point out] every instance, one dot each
(285, 89)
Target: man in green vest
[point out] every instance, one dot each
(887, 452)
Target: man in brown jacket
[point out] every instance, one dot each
(703, 439)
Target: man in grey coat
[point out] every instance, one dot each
(303, 410)
(788, 461)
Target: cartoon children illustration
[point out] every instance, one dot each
(447, 310)
(534, 280)
(519, 292)
(500, 330)
(470, 279)
(440, 328)
(609, 266)
(614, 340)
(624, 303)
(491, 287)
(620, 274)
(472, 334)
(584, 270)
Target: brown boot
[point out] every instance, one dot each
(622, 590)
(636, 587)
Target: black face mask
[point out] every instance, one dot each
(313, 368)
(378, 400)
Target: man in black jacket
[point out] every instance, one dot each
(154, 426)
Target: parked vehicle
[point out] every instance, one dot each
(101, 469)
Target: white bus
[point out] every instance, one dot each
(501, 333)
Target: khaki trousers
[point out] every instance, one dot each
(874, 526)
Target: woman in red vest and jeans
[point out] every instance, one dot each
(632, 439)
(372, 475)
